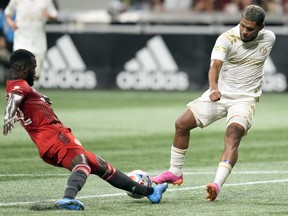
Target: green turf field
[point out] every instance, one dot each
(134, 130)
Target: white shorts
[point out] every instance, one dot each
(236, 110)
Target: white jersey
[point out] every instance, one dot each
(243, 62)
(30, 33)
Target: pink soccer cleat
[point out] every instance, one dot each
(168, 177)
(212, 191)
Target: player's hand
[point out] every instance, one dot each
(13, 26)
(16, 119)
(215, 95)
(8, 125)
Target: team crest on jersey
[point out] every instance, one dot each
(263, 51)
(16, 87)
(77, 142)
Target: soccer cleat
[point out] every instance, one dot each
(156, 196)
(168, 177)
(69, 204)
(212, 191)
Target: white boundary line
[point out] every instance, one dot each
(123, 193)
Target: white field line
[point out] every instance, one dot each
(168, 190)
(235, 184)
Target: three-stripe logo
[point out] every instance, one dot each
(152, 68)
(64, 67)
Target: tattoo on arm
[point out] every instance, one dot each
(13, 102)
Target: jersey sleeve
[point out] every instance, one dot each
(52, 9)
(271, 37)
(20, 87)
(220, 48)
(11, 8)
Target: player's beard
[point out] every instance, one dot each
(248, 39)
(30, 78)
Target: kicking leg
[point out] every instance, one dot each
(183, 125)
(119, 180)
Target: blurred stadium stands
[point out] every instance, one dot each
(146, 16)
(119, 16)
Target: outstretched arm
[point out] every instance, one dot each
(13, 102)
(214, 71)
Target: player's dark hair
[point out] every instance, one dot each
(20, 57)
(254, 13)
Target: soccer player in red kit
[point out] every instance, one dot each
(55, 142)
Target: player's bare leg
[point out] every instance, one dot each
(228, 159)
(183, 125)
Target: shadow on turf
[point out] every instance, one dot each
(43, 206)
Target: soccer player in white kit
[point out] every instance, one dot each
(29, 26)
(235, 81)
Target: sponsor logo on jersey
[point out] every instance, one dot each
(153, 67)
(65, 68)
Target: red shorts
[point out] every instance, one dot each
(65, 149)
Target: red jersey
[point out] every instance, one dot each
(35, 115)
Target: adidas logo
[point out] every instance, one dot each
(64, 67)
(152, 68)
(273, 81)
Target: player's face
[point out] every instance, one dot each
(249, 30)
(30, 74)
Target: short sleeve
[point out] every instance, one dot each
(20, 87)
(52, 9)
(220, 48)
(11, 8)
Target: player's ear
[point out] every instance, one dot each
(24, 69)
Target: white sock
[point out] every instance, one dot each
(177, 160)
(223, 171)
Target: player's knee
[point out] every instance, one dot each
(78, 159)
(184, 125)
(186, 122)
(236, 128)
(238, 124)
(79, 162)
(85, 168)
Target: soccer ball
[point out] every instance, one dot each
(142, 178)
